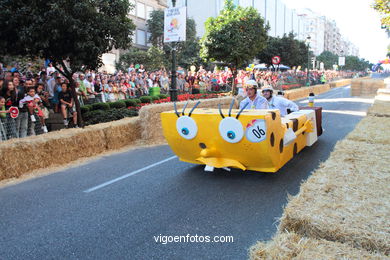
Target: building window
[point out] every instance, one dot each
(149, 10)
(132, 11)
(141, 10)
(141, 37)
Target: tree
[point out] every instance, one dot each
(328, 58)
(383, 7)
(152, 59)
(234, 37)
(187, 52)
(73, 34)
(356, 64)
(291, 51)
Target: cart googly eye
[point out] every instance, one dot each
(186, 127)
(231, 130)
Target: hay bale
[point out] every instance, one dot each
(120, 133)
(23, 155)
(319, 89)
(380, 109)
(299, 93)
(372, 130)
(293, 246)
(356, 87)
(150, 121)
(347, 199)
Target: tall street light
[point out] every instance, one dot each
(308, 60)
(173, 90)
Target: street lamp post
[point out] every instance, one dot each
(308, 60)
(173, 90)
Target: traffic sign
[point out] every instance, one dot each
(14, 112)
(275, 60)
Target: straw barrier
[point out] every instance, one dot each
(380, 109)
(366, 86)
(340, 83)
(373, 130)
(19, 156)
(292, 246)
(345, 199)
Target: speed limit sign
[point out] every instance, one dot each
(275, 60)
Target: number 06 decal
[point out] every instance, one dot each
(256, 131)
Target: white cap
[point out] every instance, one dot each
(269, 88)
(251, 84)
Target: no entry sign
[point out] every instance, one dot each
(275, 60)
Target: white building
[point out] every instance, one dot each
(139, 14)
(281, 19)
(314, 26)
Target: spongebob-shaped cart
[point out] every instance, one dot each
(258, 140)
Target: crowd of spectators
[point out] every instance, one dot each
(36, 95)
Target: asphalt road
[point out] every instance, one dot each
(59, 217)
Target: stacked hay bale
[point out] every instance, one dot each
(345, 204)
(340, 83)
(356, 87)
(366, 86)
(56, 148)
(344, 200)
(150, 121)
(293, 246)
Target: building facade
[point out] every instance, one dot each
(139, 14)
(282, 20)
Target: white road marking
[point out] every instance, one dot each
(346, 112)
(128, 175)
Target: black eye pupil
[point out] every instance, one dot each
(231, 135)
(185, 131)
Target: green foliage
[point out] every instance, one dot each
(130, 102)
(329, 59)
(85, 109)
(235, 36)
(152, 59)
(355, 63)
(117, 104)
(146, 99)
(100, 106)
(101, 116)
(187, 52)
(291, 51)
(136, 100)
(78, 31)
(156, 28)
(155, 98)
(383, 7)
(162, 96)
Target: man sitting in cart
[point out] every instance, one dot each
(278, 102)
(253, 100)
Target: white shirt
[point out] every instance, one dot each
(258, 103)
(282, 104)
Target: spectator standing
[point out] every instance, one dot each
(67, 105)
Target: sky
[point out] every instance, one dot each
(358, 23)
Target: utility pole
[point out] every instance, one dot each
(173, 90)
(308, 60)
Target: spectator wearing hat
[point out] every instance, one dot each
(253, 101)
(278, 102)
